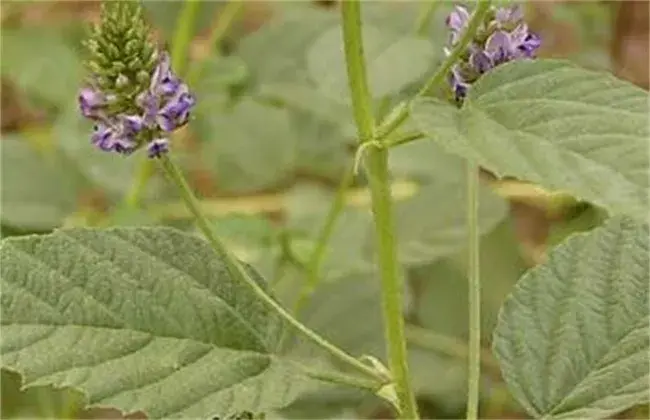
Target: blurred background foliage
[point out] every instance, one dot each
(271, 140)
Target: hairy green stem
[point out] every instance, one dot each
(401, 111)
(377, 170)
(474, 352)
(237, 271)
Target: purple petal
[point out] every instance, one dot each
(481, 61)
(519, 34)
(169, 85)
(458, 18)
(124, 145)
(149, 103)
(161, 71)
(91, 102)
(133, 123)
(532, 43)
(499, 47)
(101, 137)
(166, 122)
(158, 147)
(508, 15)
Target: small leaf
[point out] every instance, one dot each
(555, 124)
(276, 52)
(386, 58)
(35, 192)
(572, 339)
(253, 147)
(140, 319)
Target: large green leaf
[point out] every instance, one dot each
(140, 319)
(36, 193)
(553, 123)
(252, 147)
(572, 339)
(386, 55)
(30, 58)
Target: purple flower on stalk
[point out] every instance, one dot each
(162, 108)
(133, 97)
(502, 37)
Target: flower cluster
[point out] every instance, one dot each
(133, 96)
(502, 37)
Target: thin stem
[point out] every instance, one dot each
(183, 35)
(447, 345)
(402, 110)
(226, 16)
(473, 275)
(377, 170)
(317, 256)
(341, 379)
(237, 271)
(404, 139)
(427, 10)
(145, 172)
(356, 69)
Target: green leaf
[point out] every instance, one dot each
(386, 58)
(276, 52)
(572, 339)
(140, 319)
(252, 147)
(30, 58)
(36, 193)
(553, 123)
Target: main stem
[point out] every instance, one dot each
(473, 275)
(237, 271)
(377, 170)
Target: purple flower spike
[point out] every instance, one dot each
(161, 107)
(158, 147)
(505, 38)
